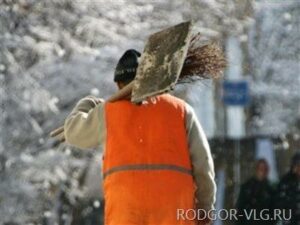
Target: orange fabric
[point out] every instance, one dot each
(150, 134)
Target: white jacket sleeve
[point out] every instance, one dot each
(202, 162)
(84, 127)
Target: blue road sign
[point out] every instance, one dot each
(235, 93)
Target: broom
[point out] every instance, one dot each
(203, 61)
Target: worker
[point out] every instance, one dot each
(156, 158)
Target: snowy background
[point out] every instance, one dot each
(54, 52)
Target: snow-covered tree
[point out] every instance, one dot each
(274, 58)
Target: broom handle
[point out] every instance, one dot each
(57, 131)
(121, 94)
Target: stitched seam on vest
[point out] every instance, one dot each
(147, 167)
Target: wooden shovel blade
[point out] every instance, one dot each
(161, 61)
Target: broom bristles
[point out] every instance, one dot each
(203, 60)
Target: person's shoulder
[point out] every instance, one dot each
(285, 180)
(172, 100)
(286, 177)
(122, 102)
(249, 182)
(176, 100)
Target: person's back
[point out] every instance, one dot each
(147, 158)
(156, 159)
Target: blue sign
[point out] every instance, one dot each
(235, 93)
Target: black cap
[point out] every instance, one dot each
(127, 66)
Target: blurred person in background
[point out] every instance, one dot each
(256, 194)
(288, 192)
(156, 160)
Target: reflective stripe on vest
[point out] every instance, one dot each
(147, 167)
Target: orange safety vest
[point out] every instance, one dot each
(146, 165)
